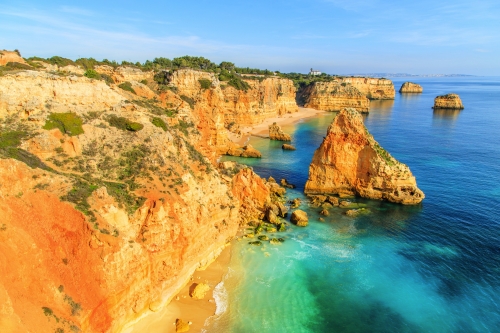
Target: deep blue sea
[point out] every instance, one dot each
(434, 267)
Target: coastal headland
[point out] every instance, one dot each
(112, 196)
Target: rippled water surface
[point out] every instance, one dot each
(428, 268)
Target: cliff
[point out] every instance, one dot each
(410, 87)
(109, 201)
(10, 56)
(449, 101)
(371, 87)
(124, 73)
(350, 161)
(334, 96)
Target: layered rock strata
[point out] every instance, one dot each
(350, 161)
(276, 133)
(410, 87)
(449, 101)
(371, 87)
(335, 96)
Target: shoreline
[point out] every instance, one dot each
(184, 307)
(262, 130)
(199, 312)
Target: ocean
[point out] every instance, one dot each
(434, 267)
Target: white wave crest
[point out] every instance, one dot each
(221, 298)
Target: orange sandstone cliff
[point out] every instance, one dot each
(334, 96)
(371, 87)
(448, 101)
(350, 161)
(110, 199)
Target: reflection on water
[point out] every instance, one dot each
(382, 106)
(446, 113)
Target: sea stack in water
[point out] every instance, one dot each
(449, 101)
(410, 87)
(350, 161)
(276, 133)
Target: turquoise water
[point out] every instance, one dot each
(428, 268)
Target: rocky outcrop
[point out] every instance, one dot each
(371, 87)
(35, 94)
(350, 161)
(449, 101)
(335, 96)
(198, 290)
(245, 151)
(410, 87)
(288, 147)
(276, 133)
(11, 56)
(299, 218)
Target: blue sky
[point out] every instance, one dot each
(337, 37)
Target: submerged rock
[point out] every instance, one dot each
(324, 212)
(256, 243)
(276, 133)
(449, 101)
(350, 160)
(285, 183)
(410, 87)
(356, 212)
(288, 147)
(299, 218)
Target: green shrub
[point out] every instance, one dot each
(239, 84)
(158, 122)
(124, 124)
(92, 74)
(144, 81)
(16, 65)
(79, 194)
(106, 78)
(68, 123)
(127, 86)
(60, 61)
(188, 100)
(205, 83)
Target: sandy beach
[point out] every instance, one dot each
(263, 128)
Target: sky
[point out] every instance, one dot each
(334, 36)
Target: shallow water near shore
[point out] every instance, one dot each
(434, 267)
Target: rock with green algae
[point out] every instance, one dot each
(256, 243)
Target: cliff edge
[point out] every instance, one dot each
(350, 161)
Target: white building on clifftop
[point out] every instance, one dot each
(314, 72)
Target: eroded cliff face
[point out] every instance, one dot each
(103, 226)
(448, 101)
(350, 161)
(410, 87)
(10, 56)
(371, 87)
(335, 96)
(124, 73)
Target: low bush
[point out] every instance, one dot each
(158, 122)
(205, 83)
(16, 65)
(127, 86)
(188, 100)
(124, 124)
(239, 84)
(68, 123)
(92, 74)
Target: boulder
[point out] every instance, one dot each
(276, 133)
(198, 290)
(299, 218)
(449, 101)
(283, 210)
(295, 203)
(324, 212)
(288, 147)
(285, 183)
(271, 215)
(181, 326)
(249, 151)
(410, 87)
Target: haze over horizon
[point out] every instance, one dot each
(334, 36)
